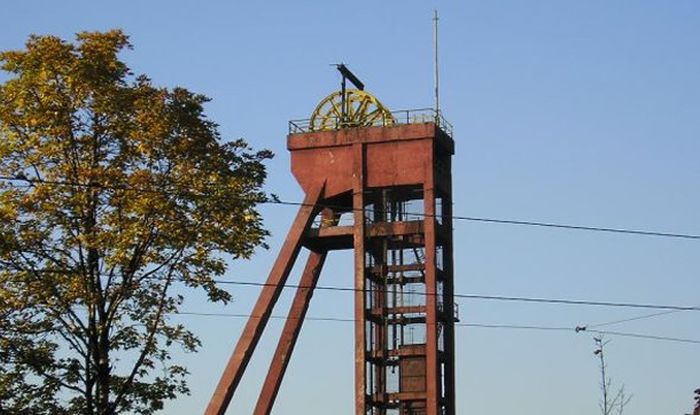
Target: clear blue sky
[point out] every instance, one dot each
(564, 111)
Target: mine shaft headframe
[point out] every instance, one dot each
(349, 108)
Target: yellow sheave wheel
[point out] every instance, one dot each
(362, 110)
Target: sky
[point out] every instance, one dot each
(569, 112)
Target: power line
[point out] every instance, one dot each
(489, 297)
(515, 327)
(604, 332)
(646, 336)
(272, 317)
(626, 320)
(474, 325)
(580, 302)
(668, 308)
(522, 222)
(638, 232)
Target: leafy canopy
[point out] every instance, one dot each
(120, 191)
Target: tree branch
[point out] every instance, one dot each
(149, 342)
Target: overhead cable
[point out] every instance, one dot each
(491, 297)
(276, 201)
(474, 325)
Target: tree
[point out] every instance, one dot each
(115, 194)
(610, 402)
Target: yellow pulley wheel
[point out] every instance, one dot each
(355, 109)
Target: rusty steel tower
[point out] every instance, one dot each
(379, 183)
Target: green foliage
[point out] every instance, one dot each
(124, 189)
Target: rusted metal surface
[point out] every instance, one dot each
(290, 332)
(445, 233)
(395, 156)
(413, 374)
(403, 266)
(358, 203)
(432, 364)
(342, 237)
(264, 305)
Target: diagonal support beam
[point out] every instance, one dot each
(290, 332)
(263, 307)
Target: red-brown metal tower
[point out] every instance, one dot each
(390, 174)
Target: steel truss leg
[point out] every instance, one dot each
(358, 204)
(263, 307)
(290, 332)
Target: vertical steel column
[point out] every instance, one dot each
(264, 305)
(358, 205)
(379, 298)
(290, 332)
(432, 364)
(448, 265)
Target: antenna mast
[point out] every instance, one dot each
(436, 75)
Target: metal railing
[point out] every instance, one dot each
(412, 116)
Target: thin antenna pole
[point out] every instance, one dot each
(436, 74)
